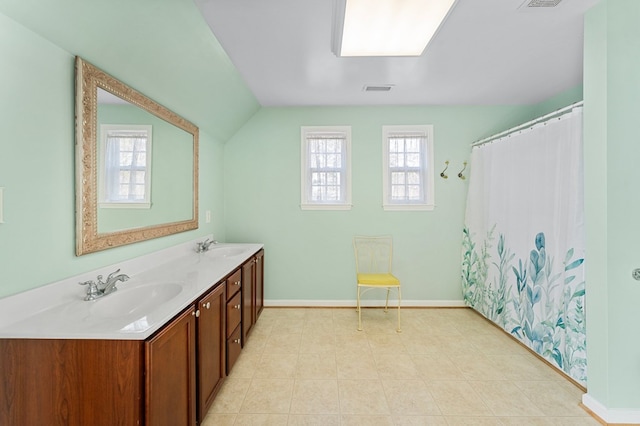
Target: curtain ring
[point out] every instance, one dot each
(460, 175)
(442, 175)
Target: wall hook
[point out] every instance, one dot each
(460, 175)
(442, 175)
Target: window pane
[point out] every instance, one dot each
(414, 192)
(397, 192)
(333, 193)
(413, 178)
(141, 159)
(317, 178)
(123, 192)
(413, 145)
(125, 144)
(140, 145)
(332, 178)
(125, 158)
(138, 192)
(397, 178)
(138, 177)
(413, 160)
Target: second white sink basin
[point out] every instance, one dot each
(134, 301)
(226, 251)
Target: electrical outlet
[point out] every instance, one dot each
(208, 216)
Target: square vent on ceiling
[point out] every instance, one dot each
(539, 3)
(377, 88)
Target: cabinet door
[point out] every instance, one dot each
(248, 297)
(259, 284)
(171, 373)
(211, 352)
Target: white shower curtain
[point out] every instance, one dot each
(523, 240)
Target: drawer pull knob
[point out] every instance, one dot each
(237, 283)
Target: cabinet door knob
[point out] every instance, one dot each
(196, 313)
(208, 305)
(236, 306)
(236, 341)
(237, 283)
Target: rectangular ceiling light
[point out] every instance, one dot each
(387, 27)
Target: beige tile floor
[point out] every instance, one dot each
(447, 367)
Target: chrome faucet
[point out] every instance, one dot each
(96, 290)
(204, 245)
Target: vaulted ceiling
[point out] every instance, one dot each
(487, 52)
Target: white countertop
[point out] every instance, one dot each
(161, 285)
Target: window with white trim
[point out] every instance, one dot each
(326, 168)
(125, 166)
(408, 182)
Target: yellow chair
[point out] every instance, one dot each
(373, 269)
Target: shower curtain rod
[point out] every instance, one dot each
(527, 124)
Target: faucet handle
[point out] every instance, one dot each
(92, 289)
(110, 275)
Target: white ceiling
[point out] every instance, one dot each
(487, 52)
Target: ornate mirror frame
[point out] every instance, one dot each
(88, 239)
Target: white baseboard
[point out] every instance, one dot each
(365, 303)
(611, 416)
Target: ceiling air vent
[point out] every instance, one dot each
(378, 88)
(540, 3)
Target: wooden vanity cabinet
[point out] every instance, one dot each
(211, 325)
(252, 292)
(169, 379)
(170, 373)
(259, 284)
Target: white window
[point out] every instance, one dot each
(326, 168)
(125, 166)
(408, 167)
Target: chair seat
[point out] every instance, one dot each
(382, 280)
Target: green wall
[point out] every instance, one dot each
(309, 253)
(612, 90)
(169, 55)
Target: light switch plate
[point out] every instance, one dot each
(208, 216)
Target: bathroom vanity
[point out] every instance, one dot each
(153, 353)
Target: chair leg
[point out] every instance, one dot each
(386, 303)
(399, 330)
(359, 309)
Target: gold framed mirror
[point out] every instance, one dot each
(136, 165)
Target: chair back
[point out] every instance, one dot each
(373, 254)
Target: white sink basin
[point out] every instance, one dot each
(226, 251)
(134, 301)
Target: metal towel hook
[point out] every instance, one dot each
(460, 175)
(442, 175)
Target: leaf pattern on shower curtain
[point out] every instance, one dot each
(536, 300)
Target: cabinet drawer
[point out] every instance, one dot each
(233, 348)
(234, 282)
(234, 312)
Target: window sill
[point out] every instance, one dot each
(325, 206)
(408, 207)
